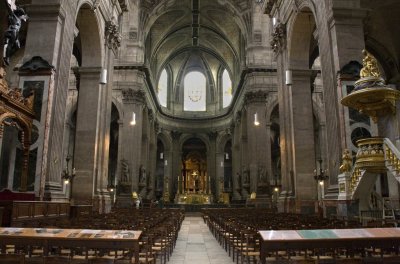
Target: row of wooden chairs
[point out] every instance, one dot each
(237, 232)
(159, 228)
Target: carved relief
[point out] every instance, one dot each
(278, 38)
(176, 134)
(268, 6)
(112, 35)
(212, 135)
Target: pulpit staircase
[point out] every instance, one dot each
(374, 156)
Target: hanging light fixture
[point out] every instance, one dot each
(133, 122)
(161, 155)
(256, 122)
(103, 76)
(227, 155)
(288, 79)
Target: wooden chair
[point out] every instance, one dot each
(12, 259)
(56, 260)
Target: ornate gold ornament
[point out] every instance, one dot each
(371, 96)
(347, 162)
(17, 110)
(370, 66)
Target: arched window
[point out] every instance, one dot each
(226, 89)
(194, 92)
(162, 88)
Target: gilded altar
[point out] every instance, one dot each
(193, 198)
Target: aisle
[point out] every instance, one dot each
(196, 245)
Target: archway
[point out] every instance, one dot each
(194, 183)
(302, 52)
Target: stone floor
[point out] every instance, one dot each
(196, 244)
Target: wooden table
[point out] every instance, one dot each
(272, 241)
(71, 238)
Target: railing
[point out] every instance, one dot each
(392, 158)
(370, 157)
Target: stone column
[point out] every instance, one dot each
(101, 195)
(212, 165)
(133, 102)
(86, 157)
(152, 158)
(55, 26)
(303, 141)
(236, 166)
(173, 168)
(219, 175)
(341, 41)
(256, 134)
(270, 175)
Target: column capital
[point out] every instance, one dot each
(112, 36)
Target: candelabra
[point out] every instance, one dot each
(320, 176)
(68, 175)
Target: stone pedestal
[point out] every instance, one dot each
(124, 201)
(344, 186)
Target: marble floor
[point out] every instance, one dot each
(196, 244)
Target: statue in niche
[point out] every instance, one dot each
(246, 175)
(239, 180)
(125, 174)
(142, 175)
(11, 41)
(262, 174)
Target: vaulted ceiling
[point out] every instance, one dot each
(214, 30)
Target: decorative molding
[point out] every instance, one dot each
(133, 96)
(150, 115)
(212, 135)
(175, 134)
(238, 118)
(278, 41)
(255, 97)
(124, 5)
(268, 6)
(112, 35)
(37, 63)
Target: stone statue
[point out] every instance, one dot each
(246, 175)
(347, 162)
(125, 174)
(11, 41)
(142, 174)
(370, 66)
(262, 174)
(239, 180)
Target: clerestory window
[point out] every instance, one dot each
(194, 92)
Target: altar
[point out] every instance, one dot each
(194, 188)
(193, 198)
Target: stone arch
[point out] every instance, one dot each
(222, 140)
(202, 137)
(166, 140)
(300, 33)
(87, 20)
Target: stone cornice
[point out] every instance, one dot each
(133, 96)
(259, 96)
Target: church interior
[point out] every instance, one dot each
(199, 131)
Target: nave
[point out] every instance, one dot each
(196, 244)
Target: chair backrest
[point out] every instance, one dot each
(12, 259)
